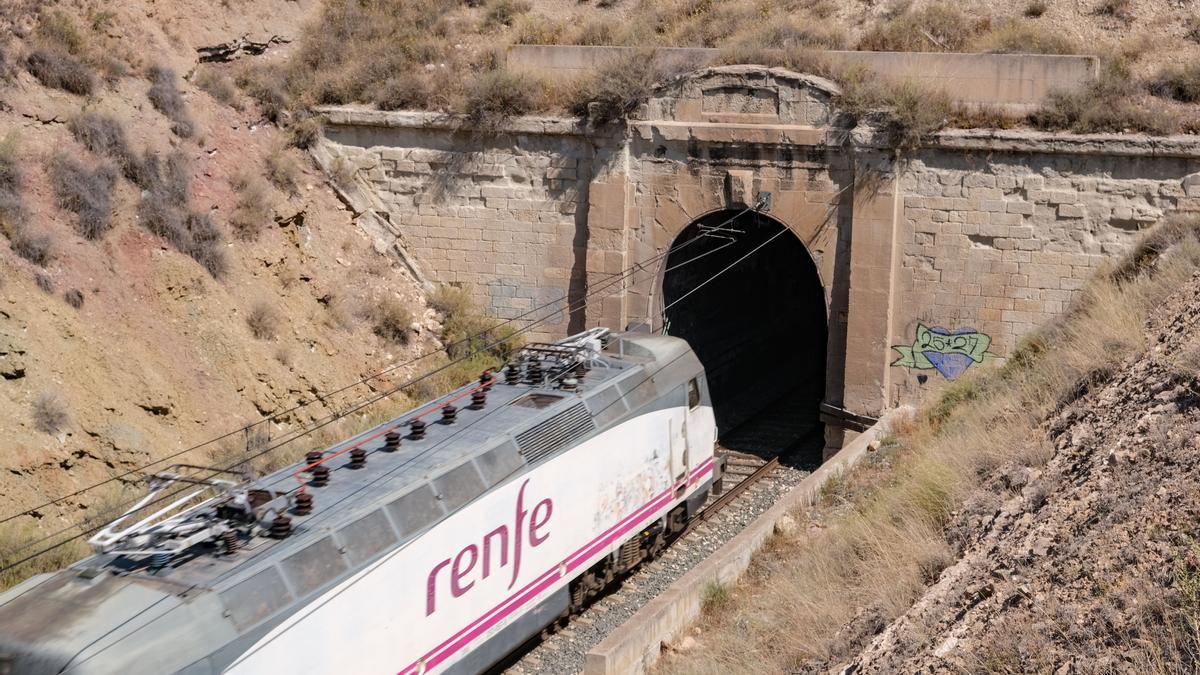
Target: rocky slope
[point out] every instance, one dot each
(1090, 563)
(159, 354)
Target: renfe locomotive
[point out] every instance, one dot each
(436, 542)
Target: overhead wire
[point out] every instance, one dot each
(614, 277)
(612, 280)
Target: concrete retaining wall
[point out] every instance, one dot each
(1013, 80)
(637, 644)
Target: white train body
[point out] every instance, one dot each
(484, 546)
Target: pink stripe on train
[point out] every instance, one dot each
(501, 611)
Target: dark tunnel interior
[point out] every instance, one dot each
(759, 328)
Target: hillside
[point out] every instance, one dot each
(169, 287)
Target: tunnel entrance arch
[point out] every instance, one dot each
(757, 321)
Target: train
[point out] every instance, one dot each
(437, 542)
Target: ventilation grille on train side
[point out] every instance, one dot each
(556, 433)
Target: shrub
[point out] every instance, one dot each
(935, 27)
(74, 298)
(391, 320)
(535, 29)
(1181, 83)
(1109, 104)
(44, 282)
(404, 92)
(1121, 9)
(263, 321)
(59, 70)
(12, 205)
(219, 86)
(87, 192)
(498, 95)
(163, 211)
(50, 413)
(1035, 8)
(268, 88)
(105, 135)
(36, 247)
(252, 209)
(1191, 28)
(1022, 37)
(282, 170)
(505, 12)
(304, 131)
(617, 88)
(165, 98)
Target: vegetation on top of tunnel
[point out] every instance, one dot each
(883, 533)
(447, 55)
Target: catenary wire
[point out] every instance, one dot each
(616, 276)
(621, 276)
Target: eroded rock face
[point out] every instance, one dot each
(1078, 566)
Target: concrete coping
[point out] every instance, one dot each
(636, 645)
(1120, 145)
(981, 140)
(363, 116)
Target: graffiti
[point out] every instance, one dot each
(949, 353)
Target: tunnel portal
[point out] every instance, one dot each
(757, 321)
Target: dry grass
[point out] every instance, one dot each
(164, 211)
(1181, 83)
(36, 246)
(85, 191)
(74, 298)
(390, 319)
(467, 329)
(166, 99)
(219, 86)
(263, 320)
(282, 171)
(813, 602)
(498, 95)
(252, 209)
(940, 26)
(1115, 102)
(50, 413)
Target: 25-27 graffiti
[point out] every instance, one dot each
(950, 353)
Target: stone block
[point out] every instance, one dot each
(1062, 197)
(1191, 185)
(1071, 211)
(1033, 182)
(1023, 208)
(978, 180)
(992, 205)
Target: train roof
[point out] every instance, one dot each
(397, 495)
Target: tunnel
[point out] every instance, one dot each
(745, 293)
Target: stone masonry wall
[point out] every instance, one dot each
(1000, 242)
(495, 213)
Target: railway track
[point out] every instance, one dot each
(745, 470)
(751, 485)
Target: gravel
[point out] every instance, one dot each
(564, 651)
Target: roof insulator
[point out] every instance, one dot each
(487, 379)
(478, 399)
(391, 442)
(312, 458)
(320, 476)
(449, 414)
(281, 527)
(569, 384)
(512, 373)
(230, 539)
(417, 428)
(303, 504)
(358, 458)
